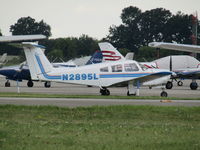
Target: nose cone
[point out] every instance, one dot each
(7, 72)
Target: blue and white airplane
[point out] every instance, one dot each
(102, 75)
(21, 72)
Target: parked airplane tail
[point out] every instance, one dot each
(3, 58)
(95, 58)
(110, 53)
(38, 64)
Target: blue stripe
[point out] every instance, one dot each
(132, 75)
(122, 75)
(43, 71)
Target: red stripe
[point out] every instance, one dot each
(111, 52)
(112, 59)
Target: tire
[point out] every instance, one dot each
(104, 91)
(107, 92)
(30, 83)
(163, 94)
(47, 84)
(193, 85)
(7, 84)
(169, 85)
(128, 94)
(180, 83)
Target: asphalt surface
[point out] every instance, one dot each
(69, 89)
(74, 102)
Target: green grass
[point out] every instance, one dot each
(28, 95)
(99, 128)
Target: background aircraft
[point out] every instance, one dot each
(188, 69)
(21, 72)
(102, 75)
(3, 60)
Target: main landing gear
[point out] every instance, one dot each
(193, 85)
(7, 84)
(169, 84)
(104, 91)
(47, 84)
(30, 83)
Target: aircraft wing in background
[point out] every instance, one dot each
(175, 46)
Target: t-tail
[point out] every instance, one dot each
(38, 63)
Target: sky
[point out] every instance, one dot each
(72, 18)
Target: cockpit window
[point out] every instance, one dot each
(117, 68)
(104, 69)
(131, 67)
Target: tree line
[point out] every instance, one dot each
(133, 35)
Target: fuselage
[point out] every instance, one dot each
(103, 74)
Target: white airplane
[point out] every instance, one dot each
(189, 67)
(102, 75)
(111, 54)
(3, 59)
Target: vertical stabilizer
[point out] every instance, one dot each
(3, 58)
(109, 52)
(38, 64)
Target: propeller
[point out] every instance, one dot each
(170, 63)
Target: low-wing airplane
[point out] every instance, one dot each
(21, 72)
(102, 75)
(3, 60)
(192, 65)
(115, 55)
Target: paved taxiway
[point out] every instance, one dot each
(74, 102)
(69, 89)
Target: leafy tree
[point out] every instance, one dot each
(139, 28)
(153, 24)
(179, 29)
(28, 25)
(127, 34)
(0, 33)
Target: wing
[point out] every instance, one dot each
(175, 46)
(149, 77)
(188, 74)
(15, 38)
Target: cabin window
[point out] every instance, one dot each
(117, 68)
(131, 67)
(104, 69)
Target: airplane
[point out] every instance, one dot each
(102, 75)
(192, 71)
(110, 53)
(3, 60)
(21, 72)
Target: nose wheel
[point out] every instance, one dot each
(163, 94)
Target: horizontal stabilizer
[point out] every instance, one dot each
(16, 38)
